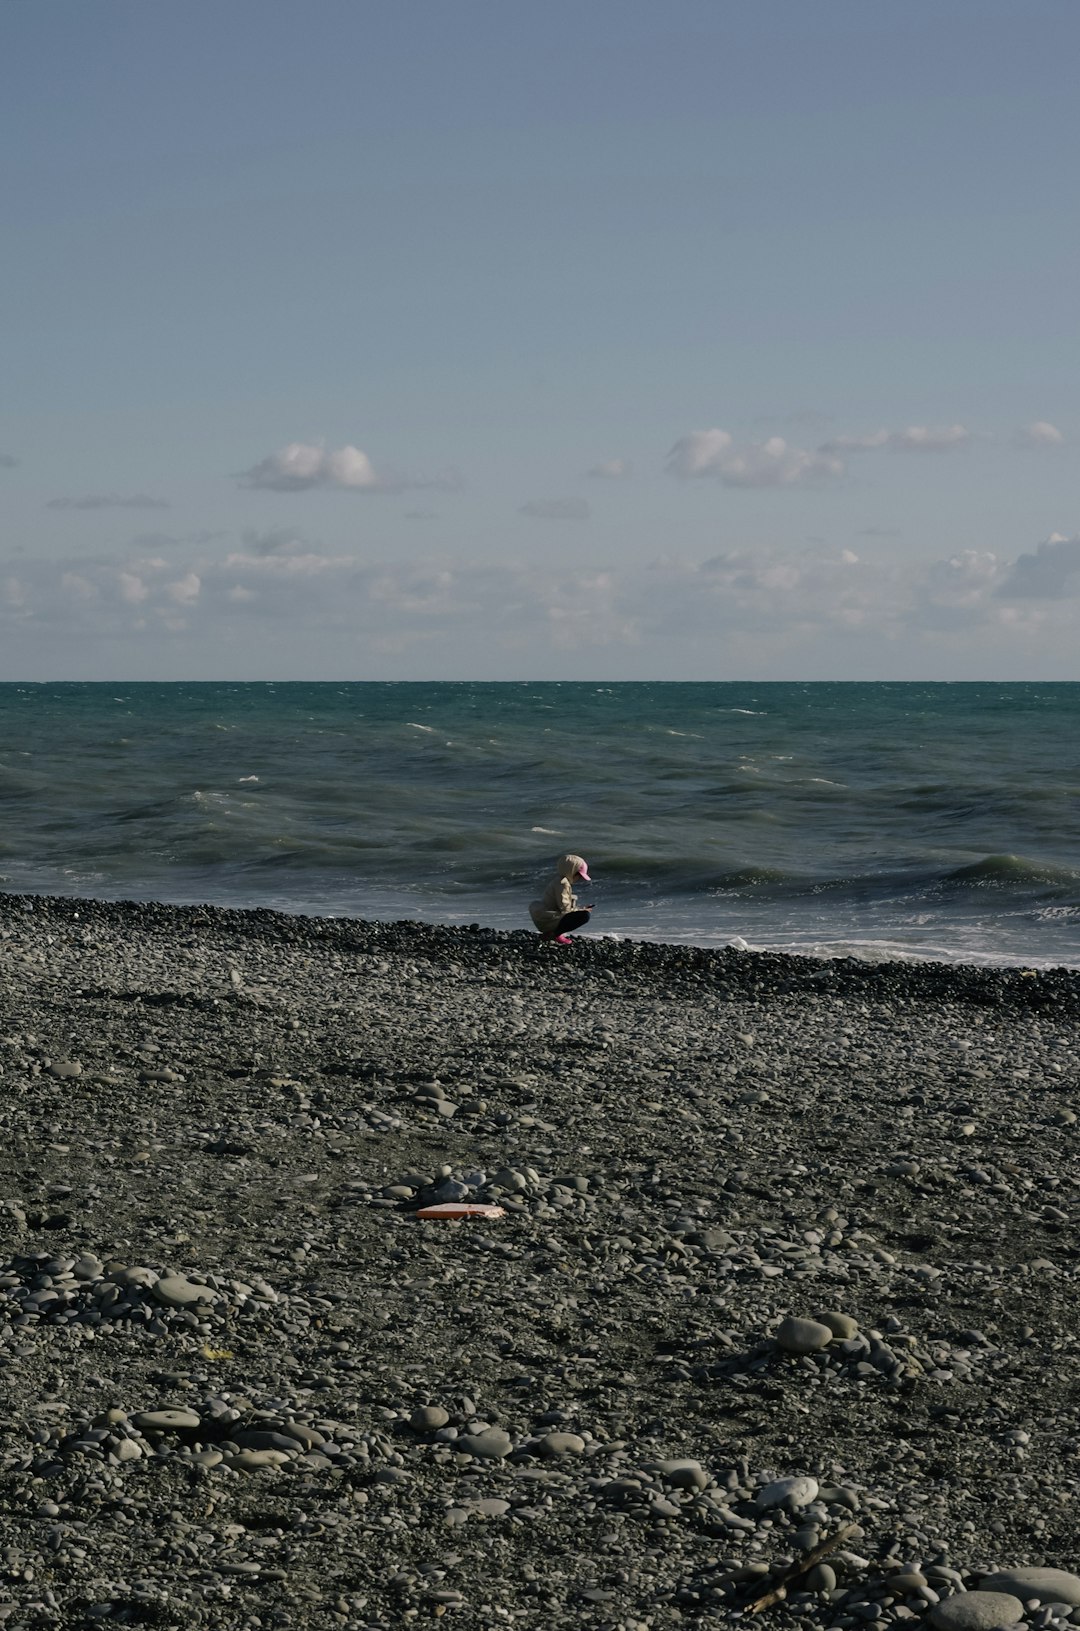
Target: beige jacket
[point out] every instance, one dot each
(558, 898)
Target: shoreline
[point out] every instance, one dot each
(238, 1377)
(942, 975)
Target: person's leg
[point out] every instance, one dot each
(572, 920)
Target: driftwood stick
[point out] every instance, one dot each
(778, 1589)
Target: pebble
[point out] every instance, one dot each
(1048, 1585)
(802, 1336)
(976, 1611)
(490, 1445)
(175, 1291)
(842, 1326)
(905, 1581)
(682, 1474)
(426, 1418)
(167, 1421)
(259, 1438)
(562, 1444)
(257, 1460)
(791, 1493)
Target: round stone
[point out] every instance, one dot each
(177, 1292)
(167, 1421)
(821, 1578)
(428, 1418)
(135, 1276)
(788, 1492)
(490, 1445)
(264, 1438)
(976, 1611)
(308, 1438)
(905, 1581)
(684, 1474)
(799, 1336)
(841, 1325)
(1048, 1585)
(491, 1506)
(562, 1444)
(256, 1460)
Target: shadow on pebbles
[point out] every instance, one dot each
(779, 1323)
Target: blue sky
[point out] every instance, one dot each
(608, 339)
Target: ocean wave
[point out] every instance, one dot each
(1013, 871)
(958, 824)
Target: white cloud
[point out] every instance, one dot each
(772, 463)
(185, 591)
(610, 470)
(1041, 433)
(301, 466)
(929, 438)
(1050, 572)
(73, 583)
(843, 445)
(109, 501)
(251, 599)
(132, 588)
(557, 509)
(913, 439)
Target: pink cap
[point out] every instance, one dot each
(583, 872)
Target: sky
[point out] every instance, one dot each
(621, 339)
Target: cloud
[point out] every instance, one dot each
(1041, 433)
(913, 439)
(273, 541)
(843, 445)
(185, 591)
(109, 501)
(274, 593)
(301, 466)
(132, 588)
(928, 439)
(73, 583)
(610, 470)
(1049, 572)
(557, 509)
(772, 463)
(7, 462)
(956, 593)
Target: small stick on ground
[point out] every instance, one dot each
(778, 1589)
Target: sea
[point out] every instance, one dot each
(880, 821)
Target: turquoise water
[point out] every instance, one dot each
(926, 820)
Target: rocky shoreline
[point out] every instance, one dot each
(787, 1275)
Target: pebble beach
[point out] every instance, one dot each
(778, 1323)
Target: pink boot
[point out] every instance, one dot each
(563, 940)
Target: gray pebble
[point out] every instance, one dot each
(1048, 1585)
(490, 1445)
(802, 1336)
(976, 1611)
